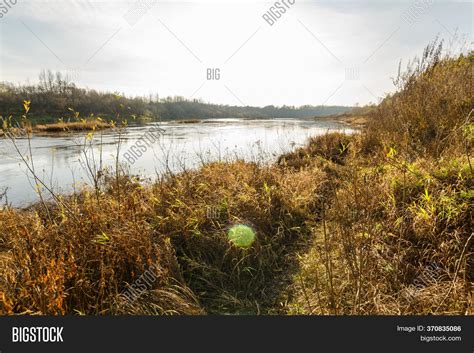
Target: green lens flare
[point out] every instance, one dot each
(241, 235)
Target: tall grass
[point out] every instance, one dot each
(402, 205)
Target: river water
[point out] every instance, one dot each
(60, 160)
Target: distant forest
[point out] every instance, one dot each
(55, 96)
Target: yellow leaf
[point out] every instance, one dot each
(26, 105)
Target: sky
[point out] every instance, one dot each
(317, 52)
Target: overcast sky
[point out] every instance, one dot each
(318, 52)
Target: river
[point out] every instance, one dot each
(59, 160)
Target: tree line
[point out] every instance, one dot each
(56, 96)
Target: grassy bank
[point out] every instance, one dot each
(374, 223)
(24, 127)
(396, 236)
(84, 125)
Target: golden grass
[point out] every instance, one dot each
(87, 125)
(78, 258)
(402, 204)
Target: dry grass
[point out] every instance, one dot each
(397, 236)
(85, 125)
(61, 263)
(77, 257)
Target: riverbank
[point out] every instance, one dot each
(313, 212)
(357, 117)
(354, 120)
(373, 223)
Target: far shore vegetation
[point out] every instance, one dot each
(56, 97)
